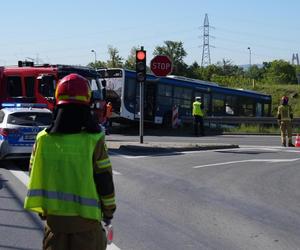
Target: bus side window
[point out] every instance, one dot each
(218, 104)
(14, 86)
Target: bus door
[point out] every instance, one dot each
(149, 101)
(259, 109)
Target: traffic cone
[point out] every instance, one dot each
(297, 141)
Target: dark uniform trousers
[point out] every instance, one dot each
(68, 236)
(198, 122)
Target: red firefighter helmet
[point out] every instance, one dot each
(73, 88)
(284, 100)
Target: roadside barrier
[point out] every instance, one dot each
(175, 121)
(219, 121)
(297, 141)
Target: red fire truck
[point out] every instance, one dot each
(36, 84)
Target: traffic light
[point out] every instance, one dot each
(141, 65)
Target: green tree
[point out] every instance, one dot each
(130, 62)
(280, 72)
(255, 72)
(210, 71)
(97, 64)
(228, 69)
(194, 71)
(175, 51)
(115, 61)
(297, 69)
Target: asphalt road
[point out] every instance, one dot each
(242, 198)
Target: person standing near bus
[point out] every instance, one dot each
(198, 116)
(285, 117)
(108, 123)
(71, 182)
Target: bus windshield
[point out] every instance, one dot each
(113, 80)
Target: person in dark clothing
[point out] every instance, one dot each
(198, 116)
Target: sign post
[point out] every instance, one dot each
(161, 65)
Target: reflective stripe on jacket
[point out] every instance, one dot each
(197, 108)
(64, 185)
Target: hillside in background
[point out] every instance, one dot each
(277, 91)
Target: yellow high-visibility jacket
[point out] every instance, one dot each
(71, 175)
(197, 108)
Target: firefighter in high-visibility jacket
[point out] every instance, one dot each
(285, 117)
(71, 183)
(198, 116)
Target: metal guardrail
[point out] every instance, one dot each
(235, 120)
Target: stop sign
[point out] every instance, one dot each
(161, 65)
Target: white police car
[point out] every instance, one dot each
(19, 125)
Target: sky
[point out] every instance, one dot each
(66, 31)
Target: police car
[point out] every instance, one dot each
(19, 125)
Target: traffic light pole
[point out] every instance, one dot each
(141, 78)
(141, 111)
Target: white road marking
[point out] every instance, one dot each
(249, 160)
(116, 172)
(21, 176)
(251, 136)
(272, 148)
(127, 156)
(112, 246)
(135, 157)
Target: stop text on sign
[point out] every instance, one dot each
(161, 65)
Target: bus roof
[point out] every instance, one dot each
(183, 78)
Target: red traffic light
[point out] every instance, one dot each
(141, 55)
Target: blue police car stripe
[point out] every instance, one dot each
(22, 144)
(63, 197)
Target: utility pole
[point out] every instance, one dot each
(249, 57)
(93, 51)
(253, 81)
(295, 59)
(206, 51)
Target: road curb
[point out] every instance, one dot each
(175, 148)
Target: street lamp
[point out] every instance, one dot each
(95, 55)
(250, 72)
(249, 56)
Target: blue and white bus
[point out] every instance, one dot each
(161, 94)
